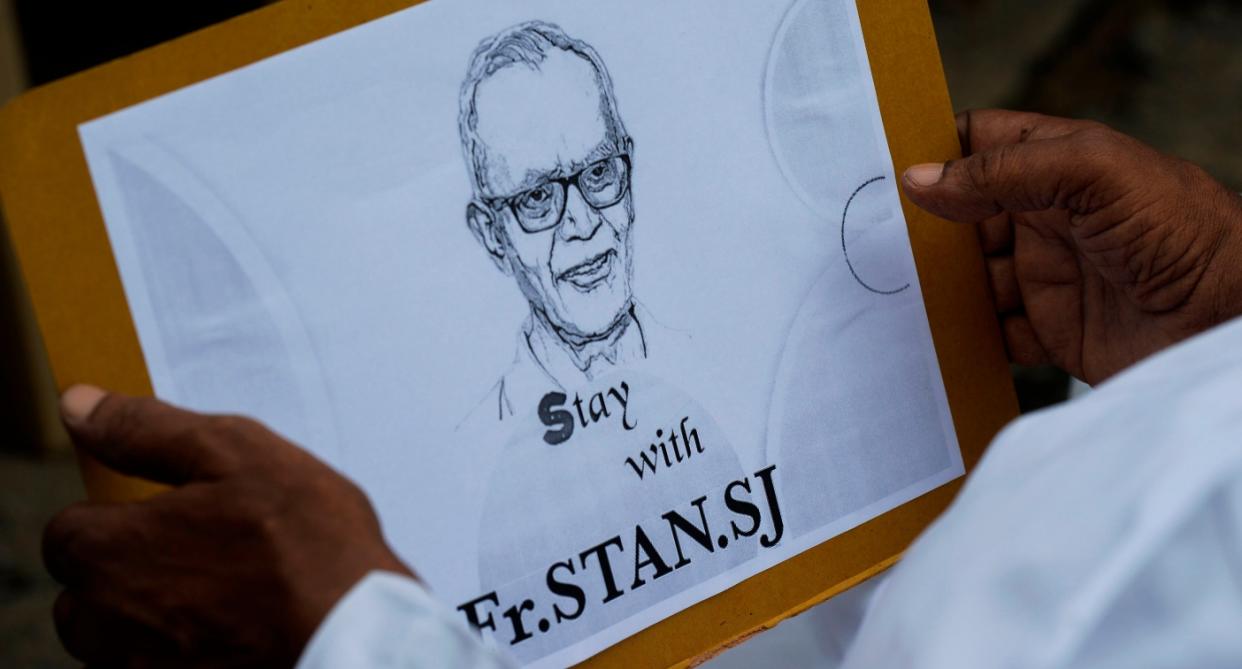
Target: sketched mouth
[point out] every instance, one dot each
(588, 274)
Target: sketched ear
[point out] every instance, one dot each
(483, 224)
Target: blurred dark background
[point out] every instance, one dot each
(1166, 71)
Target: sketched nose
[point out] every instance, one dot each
(581, 220)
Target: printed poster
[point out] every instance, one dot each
(607, 306)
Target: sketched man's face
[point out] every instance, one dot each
(537, 127)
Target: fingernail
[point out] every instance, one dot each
(927, 174)
(77, 404)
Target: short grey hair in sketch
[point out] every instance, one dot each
(527, 44)
(550, 165)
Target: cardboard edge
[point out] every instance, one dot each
(100, 482)
(798, 610)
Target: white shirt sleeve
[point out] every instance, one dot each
(388, 621)
(1105, 533)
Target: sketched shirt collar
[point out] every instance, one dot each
(542, 362)
(565, 365)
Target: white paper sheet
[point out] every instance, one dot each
(358, 242)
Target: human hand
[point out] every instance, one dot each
(1100, 250)
(235, 566)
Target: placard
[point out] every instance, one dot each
(633, 304)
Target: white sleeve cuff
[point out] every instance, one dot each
(389, 621)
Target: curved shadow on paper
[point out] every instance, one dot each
(817, 100)
(227, 337)
(876, 425)
(816, 106)
(874, 428)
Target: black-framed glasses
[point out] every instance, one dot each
(602, 184)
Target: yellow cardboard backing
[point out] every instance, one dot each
(57, 228)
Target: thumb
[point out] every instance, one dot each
(1078, 172)
(141, 436)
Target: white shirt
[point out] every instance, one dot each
(1103, 533)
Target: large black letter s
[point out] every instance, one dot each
(567, 590)
(560, 417)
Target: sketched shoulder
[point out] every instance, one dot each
(496, 405)
(527, 379)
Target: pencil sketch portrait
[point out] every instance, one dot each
(550, 163)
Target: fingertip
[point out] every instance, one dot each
(79, 402)
(925, 175)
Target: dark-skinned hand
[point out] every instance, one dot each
(1100, 250)
(236, 566)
